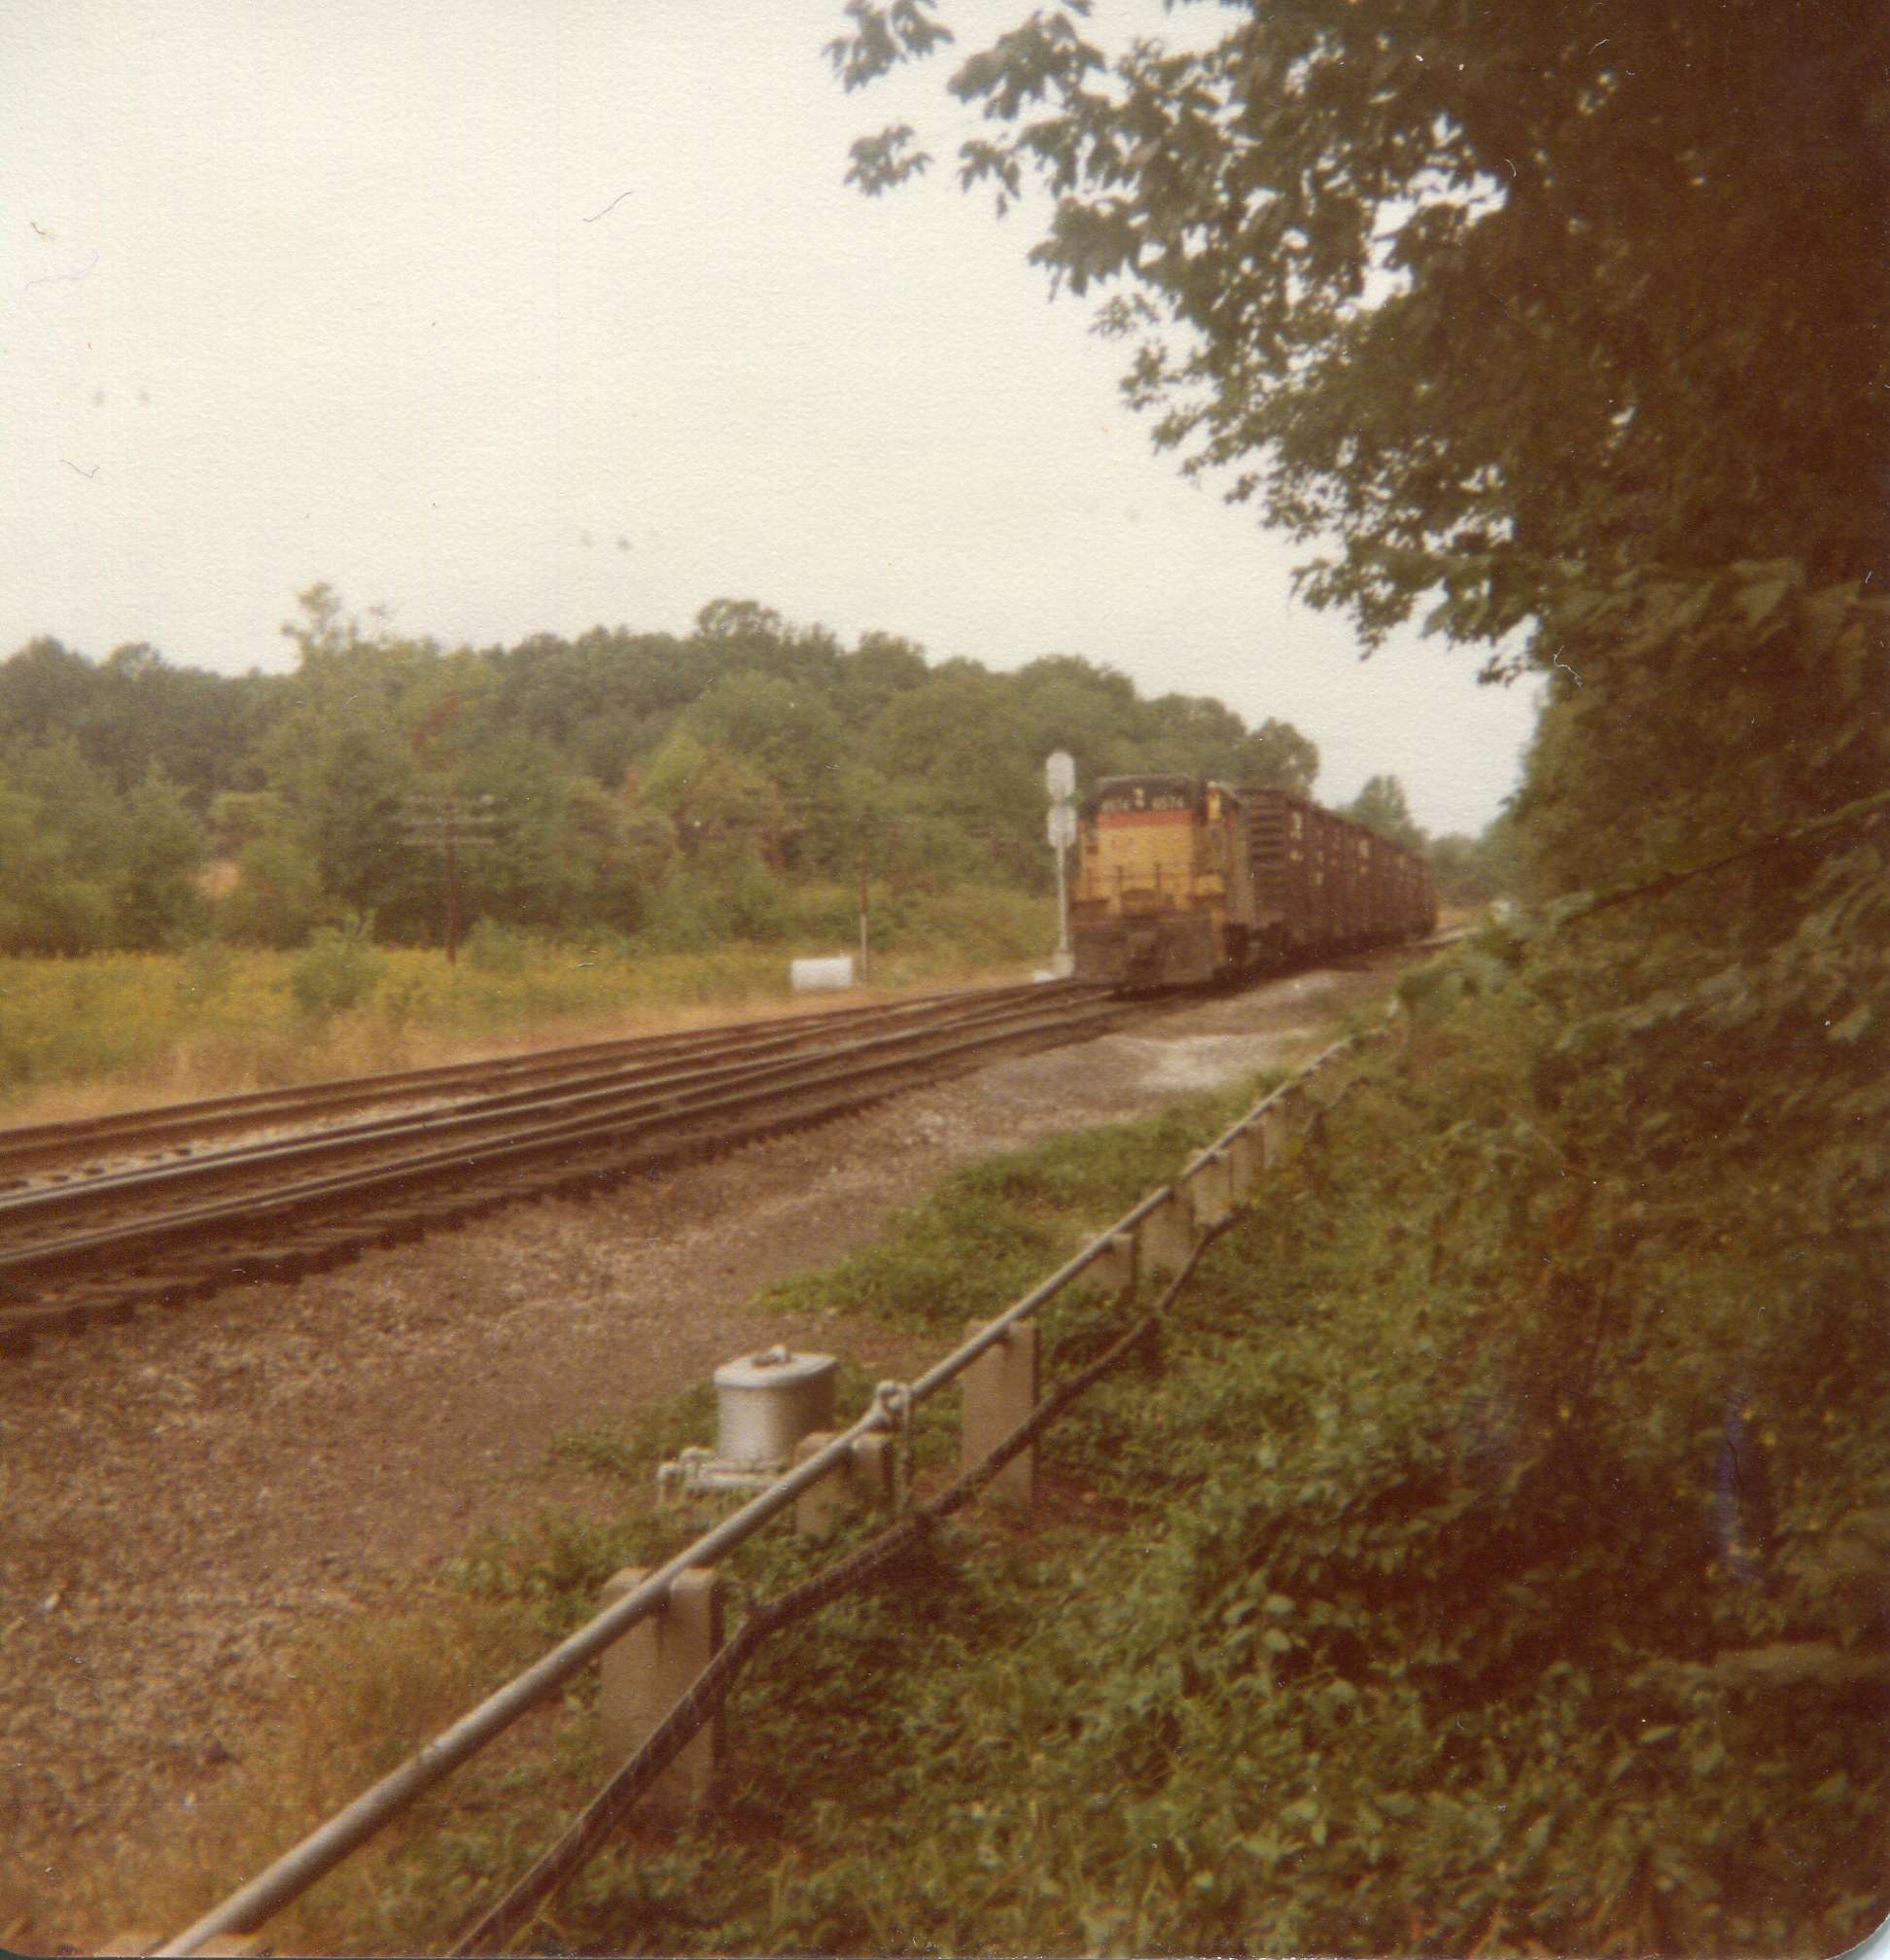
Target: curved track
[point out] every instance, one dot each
(138, 1208)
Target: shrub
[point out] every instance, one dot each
(493, 947)
(342, 967)
(685, 917)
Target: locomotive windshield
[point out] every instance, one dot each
(1122, 795)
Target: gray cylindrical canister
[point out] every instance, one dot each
(765, 1403)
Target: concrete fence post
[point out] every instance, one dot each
(646, 1672)
(823, 1505)
(873, 1469)
(1163, 1240)
(1115, 1271)
(1001, 1391)
(1209, 1194)
(1245, 1159)
(864, 1477)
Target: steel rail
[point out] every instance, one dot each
(68, 1258)
(326, 1846)
(608, 1087)
(26, 1145)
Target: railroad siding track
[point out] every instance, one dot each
(269, 1210)
(85, 1145)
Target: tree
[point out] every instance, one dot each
(881, 666)
(717, 803)
(44, 690)
(278, 899)
(1381, 806)
(1543, 319)
(1277, 757)
(51, 901)
(156, 896)
(1491, 302)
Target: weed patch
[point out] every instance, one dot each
(115, 1029)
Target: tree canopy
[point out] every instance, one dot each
(1383, 806)
(608, 769)
(1488, 299)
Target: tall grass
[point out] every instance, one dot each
(119, 1029)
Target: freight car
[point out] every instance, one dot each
(1180, 881)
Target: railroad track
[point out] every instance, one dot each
(101, 1218)
(88, 1145)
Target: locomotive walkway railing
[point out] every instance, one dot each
(1166, 1232)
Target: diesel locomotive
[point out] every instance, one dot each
(1180, 881)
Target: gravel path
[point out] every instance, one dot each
(179, 1493)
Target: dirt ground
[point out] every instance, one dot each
(179, 1493)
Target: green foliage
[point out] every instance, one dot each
(1784, 685)
(1416, 1617)
(339, 971)
(1469, 297)
(279, 897)
(88, 865)
(493, 947)
(1474, 870)
(157, 902)
(598, 769)
(990, 1230)
(1381, 806)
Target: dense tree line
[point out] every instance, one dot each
(621, 781)
(1560, 328)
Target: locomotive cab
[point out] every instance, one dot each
(1161, 889)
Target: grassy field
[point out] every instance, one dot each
(118, 1029)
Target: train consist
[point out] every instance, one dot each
(1181, 881)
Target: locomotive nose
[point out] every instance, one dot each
(1143, 965)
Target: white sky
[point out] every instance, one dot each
(319, 290)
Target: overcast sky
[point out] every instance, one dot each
(518, 318)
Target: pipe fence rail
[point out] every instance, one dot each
(1209, 1189)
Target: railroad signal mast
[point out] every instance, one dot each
(1060, 780)
(446, 821)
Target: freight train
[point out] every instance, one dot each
(1180, 881)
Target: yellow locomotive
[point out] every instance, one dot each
(1180, 880)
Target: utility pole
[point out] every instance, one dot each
(440, 820)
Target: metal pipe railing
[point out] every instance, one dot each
(326, 1846)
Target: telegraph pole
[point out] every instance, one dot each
(439, 820)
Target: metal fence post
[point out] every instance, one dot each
(644, 1674)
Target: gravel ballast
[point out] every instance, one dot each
(182, 1493)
